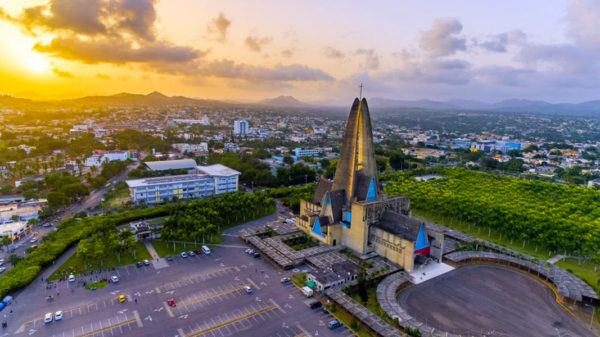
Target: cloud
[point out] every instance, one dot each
(371, 58)
(332, 52)
(115, 50)
(499, 43)
(102, 76)
(219, 26)
(285, 73)
(287, 53)
(102, 31)
(63, 74)
(255, 43)
(442, 39)
(583, 23)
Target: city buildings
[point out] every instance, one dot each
(300, 152)
(100, 157)
(240, 127)
(203, 182)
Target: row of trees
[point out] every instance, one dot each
(106, 242)
(199, 220)
(555, 216)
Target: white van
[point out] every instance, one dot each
(205, 250)
(307, 291)
(71, 278)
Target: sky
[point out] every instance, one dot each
(316, 51)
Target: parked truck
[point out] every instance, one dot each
(307, 291)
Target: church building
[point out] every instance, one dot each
(353, 211)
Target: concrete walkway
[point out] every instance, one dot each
(157, 262)
(555, 259)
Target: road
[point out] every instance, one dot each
(20, 246)
(210, 296)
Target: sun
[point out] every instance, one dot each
(37, 64)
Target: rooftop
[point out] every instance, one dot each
(165, 180)
(171, 164)
(217, 170)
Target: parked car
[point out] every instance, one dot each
(2, 269)
(184, 255)
(286, 280)
(146, 263)
(191, 253)
(334, 324)
(169, 258)
(48, 318)
(205, 250)
(139, 264)
(198, 251)
(171, 302)
(248, 290)
(256, 255)
(33, 240)
(58, 315)
(114, 279)
(122, 298)
(71, 278)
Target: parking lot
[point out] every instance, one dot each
(210, 298)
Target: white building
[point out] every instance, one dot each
(240, 127)
(206, 181)
(191, 148)
(100, 157)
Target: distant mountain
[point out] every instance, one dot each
(284, 101)
(590, 108)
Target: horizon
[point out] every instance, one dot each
(238, 51)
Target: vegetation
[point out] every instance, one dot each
(96, 285)
(164, 248)
(200, 220)
(300, 242)
(109, 170)
(556, 217)
(290, 196)
(299, 279)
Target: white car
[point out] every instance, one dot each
(2, 269)
(71, 278)
(58, 315)
(114, 279)
(34, 240)
(48, 318)
(248, 290)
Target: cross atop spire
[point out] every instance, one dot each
(361, 87)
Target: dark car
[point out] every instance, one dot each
(139, 264)
(256, 255)
(285, 280)
(169, 258)
(334, 324)
(198, 251)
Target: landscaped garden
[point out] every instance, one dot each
(300, 242)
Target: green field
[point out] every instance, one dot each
(164, 249)
(74, 264)
(96, 285)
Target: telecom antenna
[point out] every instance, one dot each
(361, 87)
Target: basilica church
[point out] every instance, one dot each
(353, 211)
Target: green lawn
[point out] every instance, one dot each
(97, 285)
(347, 319)
(299, 279)
(74, 264)
(585, 271)
(164, 248)
(488, 234)
(115, 197)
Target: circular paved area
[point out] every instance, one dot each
(476, 299)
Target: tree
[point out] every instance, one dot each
(57, 200)
(6, 189)
(288, 160)
(398, 160)
(13, 259)
(5, 241)
(84, 250)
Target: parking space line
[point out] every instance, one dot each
(93, 331)
(303, 330)
(168, 310)
(137, 318)
(180, 331)
(237, 319)
(277, 305)
(212, 295)
(193, 277)
(254, 284)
